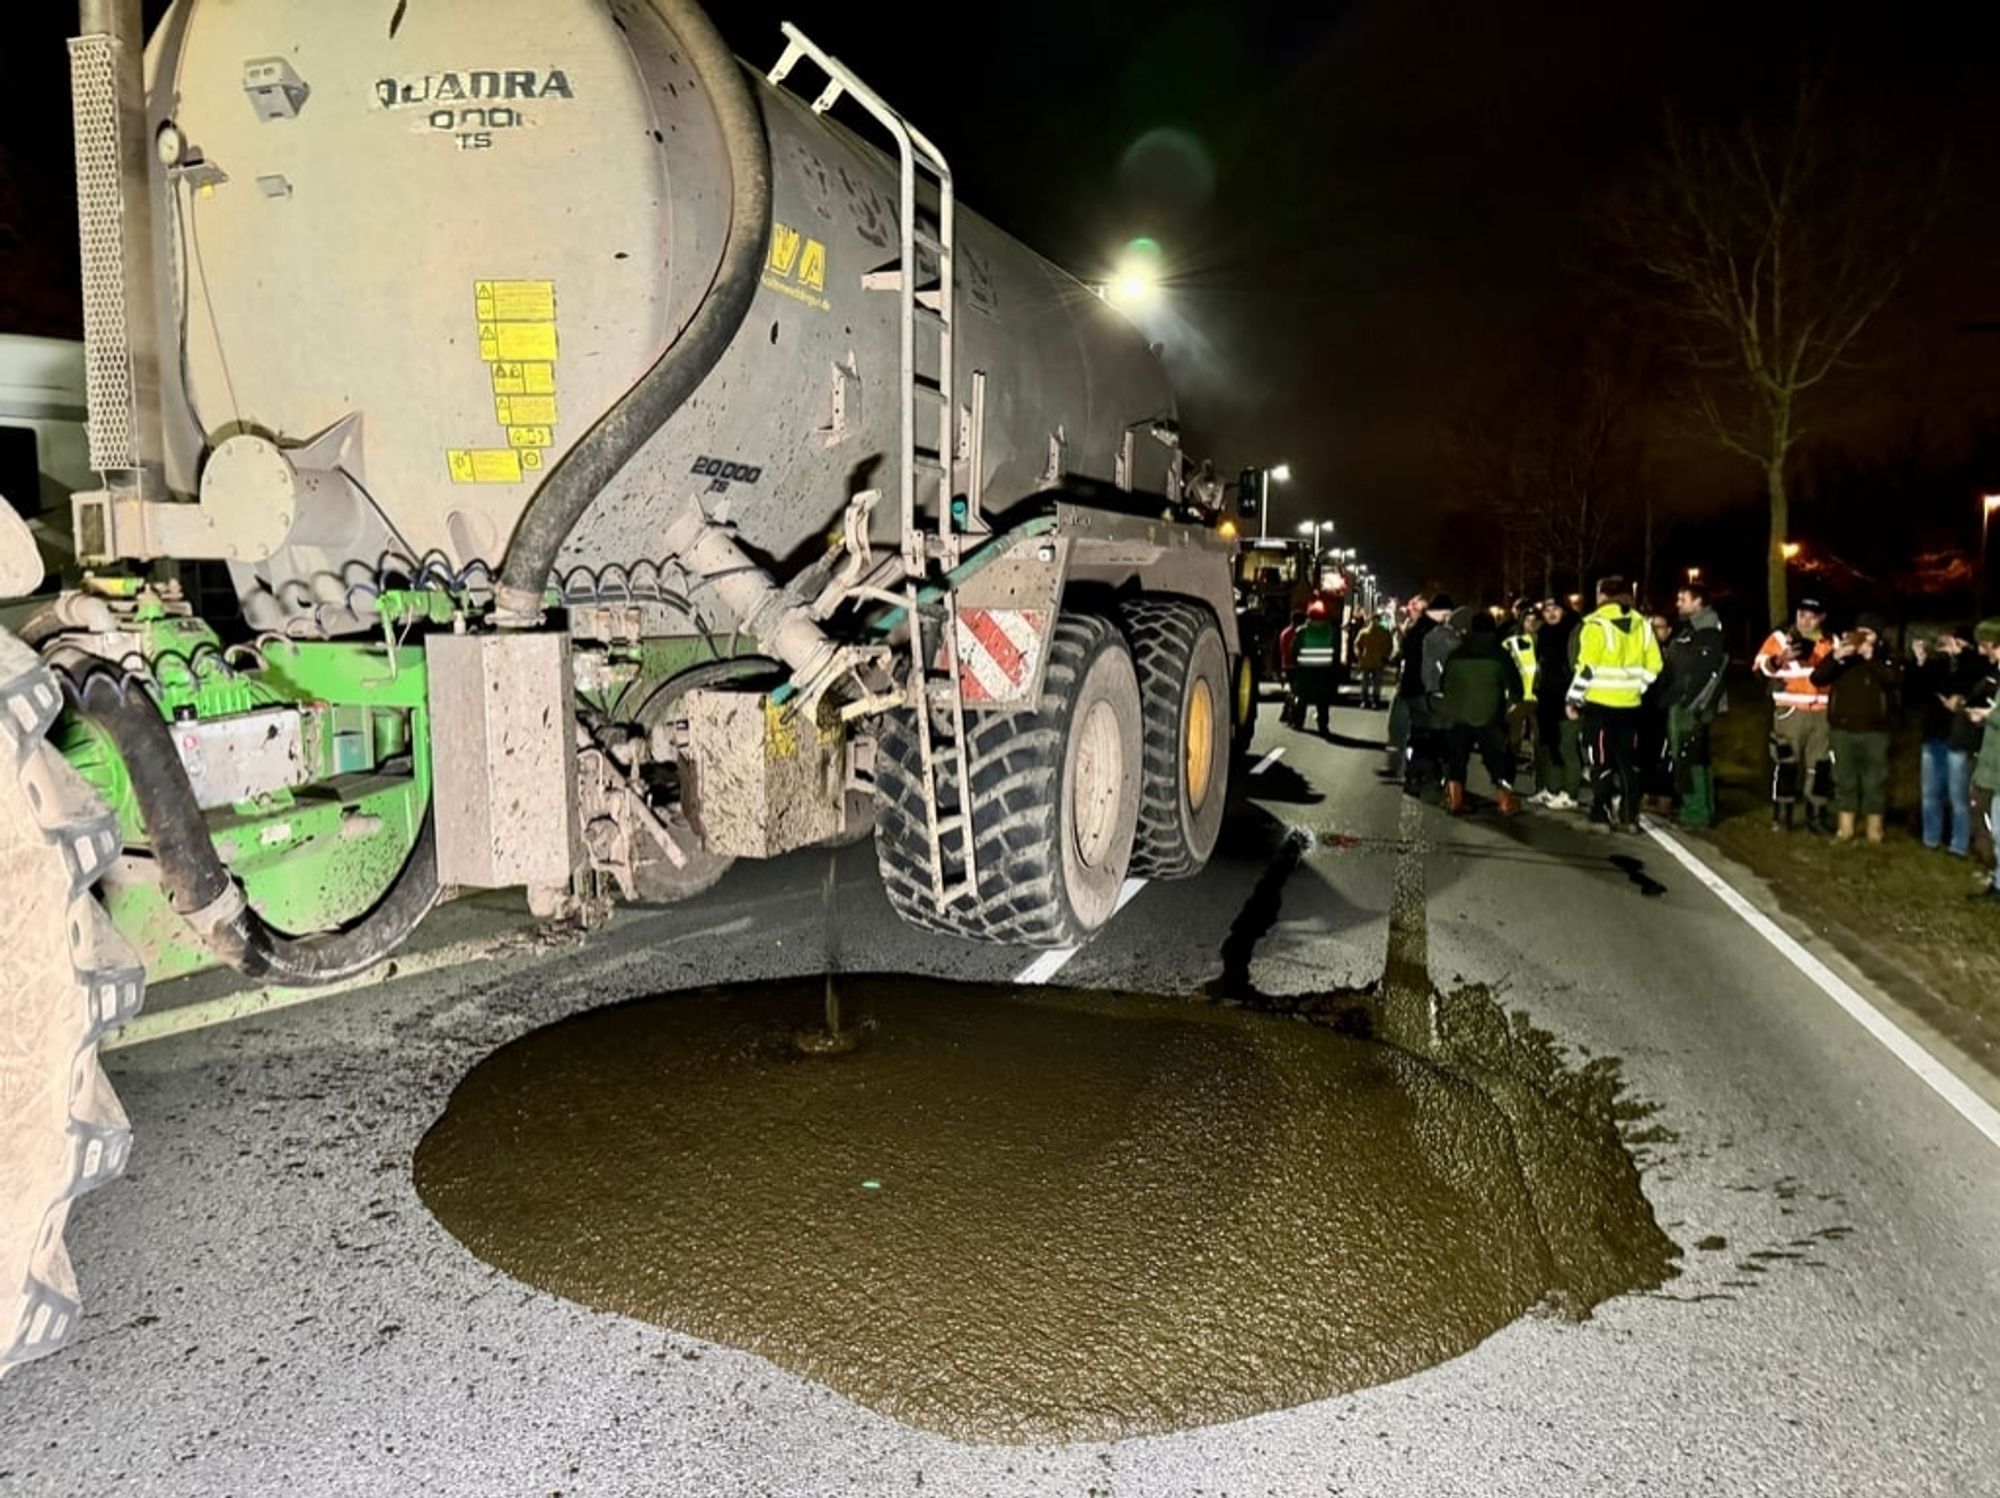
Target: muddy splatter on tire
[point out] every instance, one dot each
(65, 978)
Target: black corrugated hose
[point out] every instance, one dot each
(587, 468)
(198, 884)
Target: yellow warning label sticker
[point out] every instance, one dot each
(484, 465)
(514, 378)
(538, 410)
(515, 301)
(517, 340)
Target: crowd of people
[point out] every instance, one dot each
(1611, 712)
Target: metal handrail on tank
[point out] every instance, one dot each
(913, 149)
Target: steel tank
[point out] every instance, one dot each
(474, 225)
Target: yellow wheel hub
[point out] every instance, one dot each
(1198, 756)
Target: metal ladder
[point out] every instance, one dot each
(924, 311)
(928, 457)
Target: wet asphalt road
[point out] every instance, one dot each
(272, 1309)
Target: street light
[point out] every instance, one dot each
(1313, 528)
(1790, 551)
(1135, 284)
(1280, 474)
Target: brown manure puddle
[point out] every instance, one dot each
(1022, 1215)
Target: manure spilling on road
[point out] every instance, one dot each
(1024, 1215)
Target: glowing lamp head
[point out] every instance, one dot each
(1132, 288)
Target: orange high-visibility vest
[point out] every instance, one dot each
(1792, 686)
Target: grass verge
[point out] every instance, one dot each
(1899, 911)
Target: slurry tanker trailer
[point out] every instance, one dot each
(618, 467)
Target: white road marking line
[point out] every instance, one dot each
(1973, 1108)
(1052, 961)
(1268, 760)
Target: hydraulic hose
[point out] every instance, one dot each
(198, 884)
(587, 468)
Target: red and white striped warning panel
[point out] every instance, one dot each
(999, 651)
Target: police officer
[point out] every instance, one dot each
(1617, 658)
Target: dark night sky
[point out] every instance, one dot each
(1384, 205)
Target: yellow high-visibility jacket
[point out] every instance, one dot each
(1521, 646)
(1617, 658)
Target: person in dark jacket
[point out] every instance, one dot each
(1986, 766)
(1861, 687)
(1372, 644)
(1942, 672)
(1558, 739)
(1409, 685)
(1479, 681)
(1691, 684)
(1968, 732)
(1423, 663)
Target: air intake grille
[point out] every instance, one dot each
(100, 205)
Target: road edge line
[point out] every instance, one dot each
(1051, 962)
(1940, 1078)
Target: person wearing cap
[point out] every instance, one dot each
(1617, 659)
(1940, 678)
(1801, 743)
(1986, 769)
(1860, 682)
(1314, 666)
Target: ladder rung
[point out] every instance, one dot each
(923, 460)
(928, 241)
(929, 389)
(954, 891)
(951, 823)
(929, 315)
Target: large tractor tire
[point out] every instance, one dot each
(1185, 699)
(65, 978)
(1055, 802)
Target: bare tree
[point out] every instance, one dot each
(1545, 472)
(1770, 246)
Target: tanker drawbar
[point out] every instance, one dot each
(537, 451)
